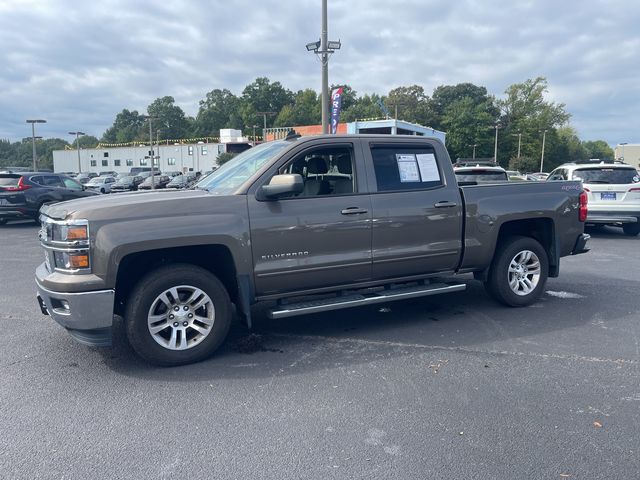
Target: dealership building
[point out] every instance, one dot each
(184, 156)
(629, 153)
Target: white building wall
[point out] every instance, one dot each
(182, 157)
(630, 152)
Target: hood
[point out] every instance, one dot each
(136, 204)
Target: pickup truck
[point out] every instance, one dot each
(311, 224)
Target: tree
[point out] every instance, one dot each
(412, 104)
(224, 157)
(363, 108)
(466, 124)
(220, 109)
(125, 127)
(86, 141)
(304, 111)
(168, 117)
(263, 96)
(444, 95)
(525, 111)
(598, 149)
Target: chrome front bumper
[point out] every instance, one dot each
(87, 315)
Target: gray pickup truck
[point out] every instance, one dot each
(311, 224)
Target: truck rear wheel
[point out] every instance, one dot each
(519, 271)
(177, 314)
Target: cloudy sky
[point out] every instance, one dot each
(76, 64)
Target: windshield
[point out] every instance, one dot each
(607, 175)
(238, 170)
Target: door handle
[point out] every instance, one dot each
(445, 204)
(353, 211)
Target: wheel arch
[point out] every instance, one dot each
(216, 259)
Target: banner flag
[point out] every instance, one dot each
(336, 105)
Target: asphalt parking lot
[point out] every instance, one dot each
(453, 386)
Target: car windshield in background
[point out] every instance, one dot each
(607, 175)
(481, 176)
(235, 172)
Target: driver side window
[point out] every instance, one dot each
(325, 171)
(72, 184)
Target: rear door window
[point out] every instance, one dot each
(405, 167)
(607, 175)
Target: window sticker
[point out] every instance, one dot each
(428, 167)
(408, 168)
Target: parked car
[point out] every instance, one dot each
(108, 174)
(173, 174)
(127, 184)
(85, 177)
(138, 170)
(536, 176)
(181, 181)
(515, 175)
(100, 184)
(22, 194)
(473, 175)
(613, 189)
(159, 181)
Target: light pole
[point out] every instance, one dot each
(474, 150)
(622, 145)
(544, 136)
(254, 135)
(324, 48)
(77, 134)
(264, 115)
(151, 152)
(519, 135)
(33, 140)
(495, 148)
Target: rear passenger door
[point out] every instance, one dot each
(417, 212)
(321, 237)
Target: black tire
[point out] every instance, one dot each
(498, 285)
(145, 295)
(3, 221)
(102, 190)
(631, 229)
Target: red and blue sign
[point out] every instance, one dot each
(336, 105)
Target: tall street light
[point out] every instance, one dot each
(324, 48)
(474, 150)
(33, 140)
(519, 135)
(622, 145)
(497, 126)
(151, 152)
(264, 129)
(544, 136)
(77, 134)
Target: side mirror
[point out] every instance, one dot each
(281, 185)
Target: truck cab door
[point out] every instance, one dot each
(320, 237)
(417, 210)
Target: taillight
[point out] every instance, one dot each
(634, 189)
(19, 188)
(583, 207)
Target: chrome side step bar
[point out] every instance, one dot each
(360, 299)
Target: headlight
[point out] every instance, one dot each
(66, 244)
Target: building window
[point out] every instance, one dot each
(171, 161)
(129, 162)
(105, 163)
(143, 161)
(156, 161)
(106, 154)
(203, 150)
(220, 149)
(94, 163)
(116, 163)
(190, 150)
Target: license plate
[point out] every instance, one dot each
(607, 195)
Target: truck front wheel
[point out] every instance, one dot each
(177, 314)
(519, 271)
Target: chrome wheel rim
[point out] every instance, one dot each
(524, 272)
(181, 317)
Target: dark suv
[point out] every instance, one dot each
(22, 194)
